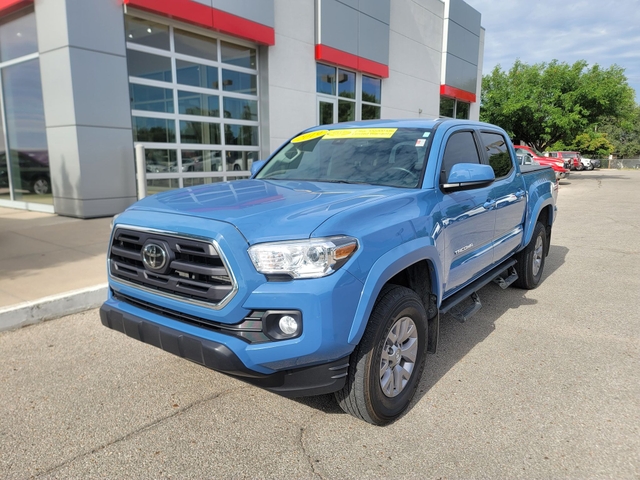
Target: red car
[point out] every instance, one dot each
(571, 159)
(556, 164)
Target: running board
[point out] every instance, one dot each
(504, 283)
(471, 290)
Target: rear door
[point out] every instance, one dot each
(507, 193)
(468, 219)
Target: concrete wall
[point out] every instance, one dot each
(415, 49)
(86, 105)
(474, 111)
(291, 72)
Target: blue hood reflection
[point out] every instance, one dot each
(267, 210)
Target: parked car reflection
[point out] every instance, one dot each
(30, 169)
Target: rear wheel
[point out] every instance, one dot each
(40, 186)
(386, 366)
(531, 260)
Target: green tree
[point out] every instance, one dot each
(547, 103)
(624, 135)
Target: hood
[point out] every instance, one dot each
(264, 210)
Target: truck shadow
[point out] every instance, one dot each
(458, 339)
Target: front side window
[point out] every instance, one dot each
(377, 156)
(498, 154)
(461, 148)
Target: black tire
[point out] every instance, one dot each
(399, 309)
(531, 260)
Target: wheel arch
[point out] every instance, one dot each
(413, 265)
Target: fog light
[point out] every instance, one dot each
(288, 325)
(282, 324)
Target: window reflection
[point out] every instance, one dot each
(157, 130)
(196, 75)
(26, 132)
(199, 132)
(240, 135)
(191, 103)
(18, 35)
(233, 81)
(238, 55)
(240, 108)
(346, 84)
(240, 161)
(152, 99)
(146, 65)
(146, 32)
(195, 45)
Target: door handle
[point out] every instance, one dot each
(489, 204)
(520, 193)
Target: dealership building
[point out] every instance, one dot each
(208, 86)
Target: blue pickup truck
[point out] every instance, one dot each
(328, 269)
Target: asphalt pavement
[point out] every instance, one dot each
(540, 384)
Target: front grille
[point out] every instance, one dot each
(195, 270)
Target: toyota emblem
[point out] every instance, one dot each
(154, 256)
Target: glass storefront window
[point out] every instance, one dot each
(239, 82)
(195, 45)
(156, 130)
(447, 107)
(346, 111)
(371, 89)
(18, 36)
(146, 32)
(195, 181)
(345, 96)
(462, 110)
(189, 73)
(201, 161)
(157, 185)
(27, 139)
(325, 79)
(192, 103)
(160, 160)
(238, 55)
(346, 84)
(240, 135)
(151, 99)
(146, 65)
(240, 108)
(200, 132)
(240, 161)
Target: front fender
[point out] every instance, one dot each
(541, 203)
(387, 266)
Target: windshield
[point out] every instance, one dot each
(377, 156)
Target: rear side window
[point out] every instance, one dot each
(461, 148)
(497, 153)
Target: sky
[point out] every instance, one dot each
(535, 31)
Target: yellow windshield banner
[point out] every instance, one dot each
(360, 133)
(305, 137)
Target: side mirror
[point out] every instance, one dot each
(469, 175)
(256, 166)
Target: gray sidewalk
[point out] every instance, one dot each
(49, 265)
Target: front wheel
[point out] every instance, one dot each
(386, 366)
(531, 260)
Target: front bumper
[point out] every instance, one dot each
(312, 380)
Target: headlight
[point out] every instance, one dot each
(559, 164)
(303, 259)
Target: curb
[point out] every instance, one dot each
(55, 306)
